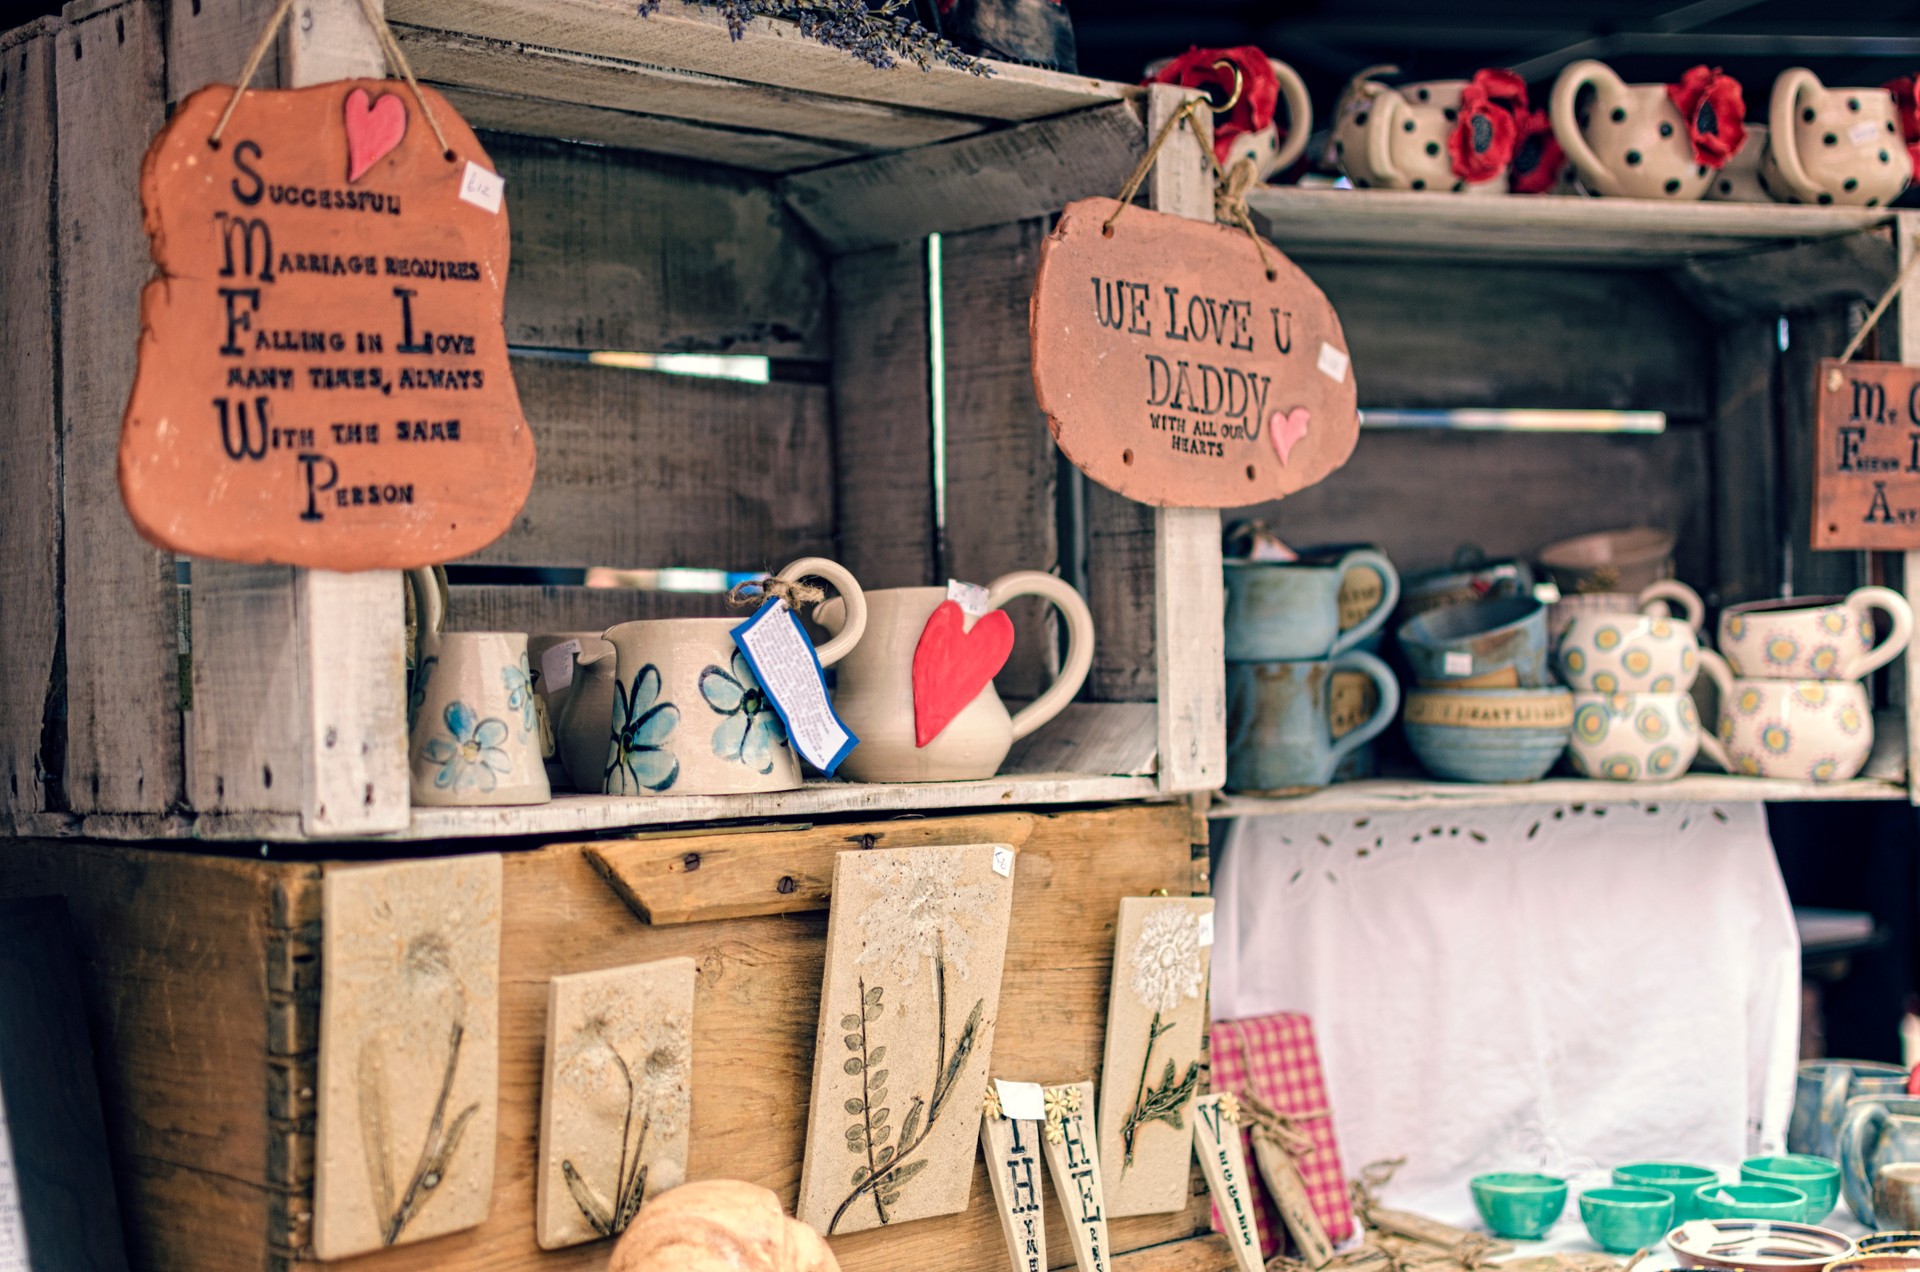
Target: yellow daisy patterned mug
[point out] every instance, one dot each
(1814, 638)
(1804, 730)
(1625, 652)
(1638, 737)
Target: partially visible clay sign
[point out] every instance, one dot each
(1176, 372)
(1866, 470)
(323, 368)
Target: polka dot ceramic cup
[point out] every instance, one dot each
(1804, 730)
(1833, 145)
(1638, 737)
(1814, 638)
(1388, 138)
(1631, 653)
(1633, 141)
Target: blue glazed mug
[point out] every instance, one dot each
(1877, 1132)
(1290, 610)
(1821, 1091)
(1279, 720)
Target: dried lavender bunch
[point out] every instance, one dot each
(879, 36)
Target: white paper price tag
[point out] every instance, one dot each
(1022, 1101)
(1862, 133)
(556, 666)
(1455, 663)
(1333, 363)
(1003, 861)
(1206, 929)
(481, 188)
(784, 663)
(970, 597)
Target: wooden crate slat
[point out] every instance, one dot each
(244, 735)
(1120, 564)
(30, 511)
(534, 610)
(1903, 345)
(1807, 275)
(208, 41)
(1813, 335)
(1744, 461)
(123, 692)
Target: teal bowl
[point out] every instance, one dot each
(1676, 1179)
(1488, 735)
(1750, 1201)
(1818, 1177)
(1623, 1220)
(1518, 1204)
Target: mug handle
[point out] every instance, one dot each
(1299, 115)
(1674, 590)
(1380, 138)
(1383, 678)
(1722, 676)
(1787, 91)
(1710, 743)
(1073, 671)
(1389, 596)
(1867, 1120)
(849, 588)
(1892, 604)
(1566, 124)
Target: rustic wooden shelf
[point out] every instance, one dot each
(1386, 795)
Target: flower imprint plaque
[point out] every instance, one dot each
(617, 1099)
(916, 939)
(1155, 1015)
(409, 1052)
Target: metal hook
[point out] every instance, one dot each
(1239, 87)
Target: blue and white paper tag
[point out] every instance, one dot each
(783, 661)
(970, 597)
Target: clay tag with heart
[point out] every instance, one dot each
(1174, 371)
(323, 374)
(951, 665)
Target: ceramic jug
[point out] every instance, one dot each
(585, 723)
(1876, 1132)
(1833, 145)
(1821, 1090)
(1396, 138)
(688, 715)
(1738, 181)
(472, 720)
(1634, 142)
(907, 653)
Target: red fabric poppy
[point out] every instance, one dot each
(1259, 95)
(1537, 157)
(1503, 88)
(1481, 143)
(1715, 112)
(1907, 104)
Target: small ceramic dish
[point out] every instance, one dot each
(1519, 1204)
(1677, 1179)
(1479, 645)
(1758, 1245)
(1751, 1201)
(1888, 1243)
(1905, 1262)
(1818, 1177)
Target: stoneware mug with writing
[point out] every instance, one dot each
(1635, 652)
(1280, 720)
(1814, 638)
(690, 718)
(473, 726)
(1877, 1133)
(1803, 730)
(1636, 737)
(925, 661)
(1633, 141)
(1398, 140)
(1282, 610)
(1833, 145)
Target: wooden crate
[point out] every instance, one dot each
(203, 979)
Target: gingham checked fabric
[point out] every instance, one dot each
(1274, 1058)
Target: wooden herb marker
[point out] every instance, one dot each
(1289, 1193)
(1175, 371)
(1012, 1148)
(1866, 472)
(323, 375)
(1074, 1162)
(1216, 1139)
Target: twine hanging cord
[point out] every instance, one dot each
(757, 592)
(1880, 307)
(388, 46)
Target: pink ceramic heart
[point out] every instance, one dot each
(374, 128)
(1287, 430)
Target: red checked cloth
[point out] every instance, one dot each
(1274, 1058)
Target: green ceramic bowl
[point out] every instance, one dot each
(1676, 1179)
(1517, 1204)
(1818, 1177)
(1622, 1220)
(1750, 1201)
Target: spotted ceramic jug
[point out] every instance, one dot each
(1833, 145)
(1631, 141)
(1396, 138)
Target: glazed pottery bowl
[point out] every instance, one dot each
(1488, 735)
(1479, 645)
(1818, 1177)
(1757, 1245)
(1519, 1204)
(1622, 1220)
(1638, 737)
(1802, 730)
(1903, 1261)
(1471, 577)
(1750, 1201)
(1814, 638)
(1678, 1180)
(1889, 1243)
(1609, 560)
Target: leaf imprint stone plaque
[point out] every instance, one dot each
(617, 1099)
(916, 939)
(1156, 1013)
(409, 1051)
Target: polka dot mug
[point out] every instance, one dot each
(1814, 638)
(1833, 145)
(1626, 653)
(1803, 730)
(1388, 138)
(1638, 737)
(1631, 140)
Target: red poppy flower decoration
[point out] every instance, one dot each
(1482, 141)
(1537, 157)
(1905, 103)
(1715, 112)
(1213, 70)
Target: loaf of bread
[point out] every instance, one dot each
(719, 1225)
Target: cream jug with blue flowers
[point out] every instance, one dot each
(689, 718)
(473, 721)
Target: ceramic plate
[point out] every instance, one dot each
(1757, 1244)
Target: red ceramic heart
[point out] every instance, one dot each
(951, 665)
(1288, 429)
(374, 128)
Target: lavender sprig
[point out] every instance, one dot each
(880, 37)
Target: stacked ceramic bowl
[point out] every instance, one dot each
(1486, 709)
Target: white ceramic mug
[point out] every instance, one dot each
(1804, 730)
(1738, 180)
(1396, 139)
(1264, 146)
(585, 723)
(1637, 737)
(1833, 145)
(688, 716)
(1573, 605)
(1814, 638)
(1635, 142)
(1634, 652)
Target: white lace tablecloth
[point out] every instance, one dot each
(1543, 987)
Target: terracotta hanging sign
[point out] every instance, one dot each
(323, 373)
(1176, 370)
(1866, 471)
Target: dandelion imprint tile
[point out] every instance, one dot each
(617, 1099)
(409, 1052)
(1156, 1013)
(916, 941)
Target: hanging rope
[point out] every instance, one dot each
(1229, 188)
(1880, 307)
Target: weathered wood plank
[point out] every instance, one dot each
(30, 512)
(123, 696)
(1121, 540)
(640, 469)
(614, 250)
(208, 41)
(1812, 335)
(244, 732)
(1744, 462)
(509, 608)
(1903, 345)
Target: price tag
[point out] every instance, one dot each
(1003, 861)
(1022, 1101)
(1457, 664)
(1333, 363)
(970, 597)
(481, 188)
(783, 661)
(556, 666)
(1206, 929)
(1861, 134)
